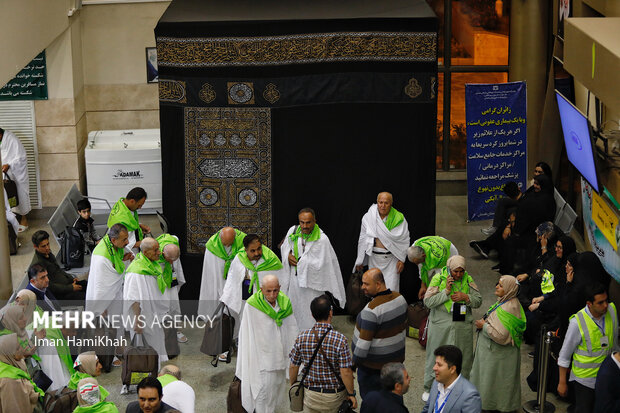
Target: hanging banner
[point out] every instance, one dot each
(598, 239)
(29, 84)
(496, 143)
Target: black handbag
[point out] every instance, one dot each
(11, 190)
(218, 337)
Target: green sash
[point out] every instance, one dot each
(166, 379)
(120, 214)
(215, 246)
(394, 219)
(63, 349)
(12, 372)
(77, 376)
(24, 343)
(142, 265)
(514, 325)
(106, 249)
(437, 250)
(166, 239)
(271, 263)
(257, 300)
(313, 236)
(440, 281)
(101, 407)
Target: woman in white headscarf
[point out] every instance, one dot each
(90, 400)
(18, 393)
(496, 372)
(450, 296)
(86, 365)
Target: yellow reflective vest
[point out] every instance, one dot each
(590, 353)
(546, 285)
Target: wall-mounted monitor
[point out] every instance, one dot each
(578, 140)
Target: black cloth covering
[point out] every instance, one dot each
(345, 123)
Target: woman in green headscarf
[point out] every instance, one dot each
(497, 362)
(18, 393)
(90, 400)
(87, 365)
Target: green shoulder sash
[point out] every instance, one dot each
(163, 240)
(215, 246)
(257, 300)
(437, 250)
(106, 249)
(12, 372)
(120, 214)
(142, 265)
(514, 325)
(394, 219)
(271, 263)
(166, 379)
(101, 407)
(313, 236)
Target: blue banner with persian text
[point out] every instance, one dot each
(496, 143)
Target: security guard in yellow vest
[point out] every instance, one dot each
(591, 335)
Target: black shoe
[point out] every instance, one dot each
(495, 267)
(479, 249)
(530, 354)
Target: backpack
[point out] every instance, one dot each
(72, 247)
(60, 401)
(218, 336)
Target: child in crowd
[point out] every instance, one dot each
(85, 224)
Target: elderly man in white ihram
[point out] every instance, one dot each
(383, 241)
(266, 336)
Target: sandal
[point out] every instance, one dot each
(181, 338)
(21, 228)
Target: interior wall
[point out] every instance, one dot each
(114, 38)
(19, 41)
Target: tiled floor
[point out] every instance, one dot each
(211, 384)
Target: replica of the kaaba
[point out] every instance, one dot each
(270, 106)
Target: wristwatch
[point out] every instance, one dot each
(352, 394)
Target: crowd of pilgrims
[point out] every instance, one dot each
(545, 281)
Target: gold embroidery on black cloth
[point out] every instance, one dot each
(271, 93)
(228, 172)
(433, 85)
(240, 93)
(299, 49)
(172, 91)
(413, 88)
(207, 94)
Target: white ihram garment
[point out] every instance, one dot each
(317, 271)
(14, 154)
(396, 243)
(262, 362)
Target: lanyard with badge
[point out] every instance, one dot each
(459, 310)
(604, 339)
(440, 408)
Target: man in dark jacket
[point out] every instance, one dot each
(63, 285)
(395, 383)
(149, 398)
(38, 284)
